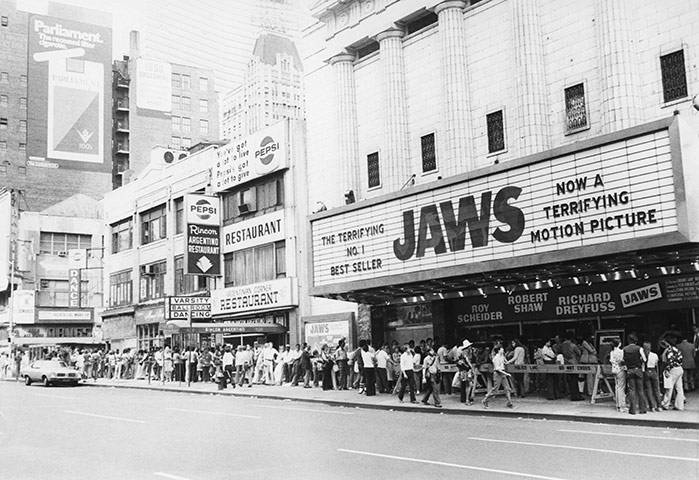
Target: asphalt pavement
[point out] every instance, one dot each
(136, 433)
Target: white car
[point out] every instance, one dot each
(50, 372)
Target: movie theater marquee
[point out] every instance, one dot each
(618, 191)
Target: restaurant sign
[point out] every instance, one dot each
(272, 295)
(610, 298)
(608, 193)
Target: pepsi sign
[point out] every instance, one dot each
(203, 210)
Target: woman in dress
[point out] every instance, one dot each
(327, 367)
(167, 365)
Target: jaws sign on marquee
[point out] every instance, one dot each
(203, 237)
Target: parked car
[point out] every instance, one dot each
(50, 372)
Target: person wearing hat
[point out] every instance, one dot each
(467, 373)
(672, 374)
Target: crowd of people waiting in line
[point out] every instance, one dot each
(427, 368)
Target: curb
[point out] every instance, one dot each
(634, 421)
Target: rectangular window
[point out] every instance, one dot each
(4, 101)
(373, 169)
(185, 284)
(495, 124)
(186, 82)
(176, 80)
(54, 243)
(186, 124)
(22, 125)
(203, 105)
(3, 124)
(186, 142)
(175, 102)
(185, 103)
(23, 103)
(203, 84)
(153, 280)
(23, 80)
(674, 76)
(122, 235)
(5, 21)
(429, 156)
(120, 289)
(3, 146)
(266, 196)
(576, 111)
(256, 264)
(176, 142)
(22, 170)
(203, 127)
(55, 293)
(22, 147)
(4, 77)
(176, 123)
(153, 225)
(179, 215)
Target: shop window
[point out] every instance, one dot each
(120, 289)
(674, 76)
(495, 123)
(54, 243)
(179, 215)
(153, 225)
(153, 280)
(373, 171)
(185, 284)
(253, 265)
(429, 157)
(576, 110)
(122, 235)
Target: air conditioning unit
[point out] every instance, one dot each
(245, 208)
(247, 201)
(148, 270)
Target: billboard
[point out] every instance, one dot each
(153, 85)
(253, 157)
(69, 93)
(203, 235)
(616, 192)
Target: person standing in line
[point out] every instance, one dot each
(167, 364)
(240, 359)
(616, 358)
(306, 365)
(369, 371)
(270, 355)
(588, 357)
(382, 359)
(688, 365)
(672, 374)
(395, 362)
(407, 374)
(467, 373)
(359, 368)
(417, 368)
(228, 364)
(342, 364)
(548, 356)
(431, 378)
(634, 358)
(296, 372)
(518, 356)
(192, 359)
(248, 366)
(571, 356)
(500, 377)
(651, 385)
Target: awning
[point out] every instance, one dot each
(175, 326)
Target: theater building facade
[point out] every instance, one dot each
(489, 175)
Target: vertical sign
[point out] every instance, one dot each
(69, 78)
(74, 292)
(203, 238)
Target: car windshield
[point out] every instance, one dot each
(53, 364)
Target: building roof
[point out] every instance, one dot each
(78, 206)
(268, 45)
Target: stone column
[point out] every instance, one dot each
(394, 159)
(621, 105)
(532, 107)
(457, 124)
(347, 136)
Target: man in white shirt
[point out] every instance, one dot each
(499, 378)
(269, 354)
(651, 384)
(228, 361)
(381, 364)
(616, 358)
(407, 373)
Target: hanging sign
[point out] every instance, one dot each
(203, 235)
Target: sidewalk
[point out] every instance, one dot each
(532, 407)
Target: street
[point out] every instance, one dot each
(77, 433)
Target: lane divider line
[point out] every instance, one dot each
(633, 436)
(170, 476)
(303, 409)
(445, 464)
(213, 413)
(54, 396)
(587, 449)
(104, 416)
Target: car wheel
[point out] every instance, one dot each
(46, 381)
(27, 380)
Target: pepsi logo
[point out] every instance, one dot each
(203, 209)
(266, 152)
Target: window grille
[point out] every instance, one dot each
(496, 131)
(576, 110)
(373, 169)
(429, 157)
(674, 76)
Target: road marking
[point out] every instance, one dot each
(170, 476)
(303, 409)
(104, 416)
(54, 396)
(213, 413)
(568, 447)
(633, 436)
(444, 464)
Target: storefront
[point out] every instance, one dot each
(595, 236)
(150, 322)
